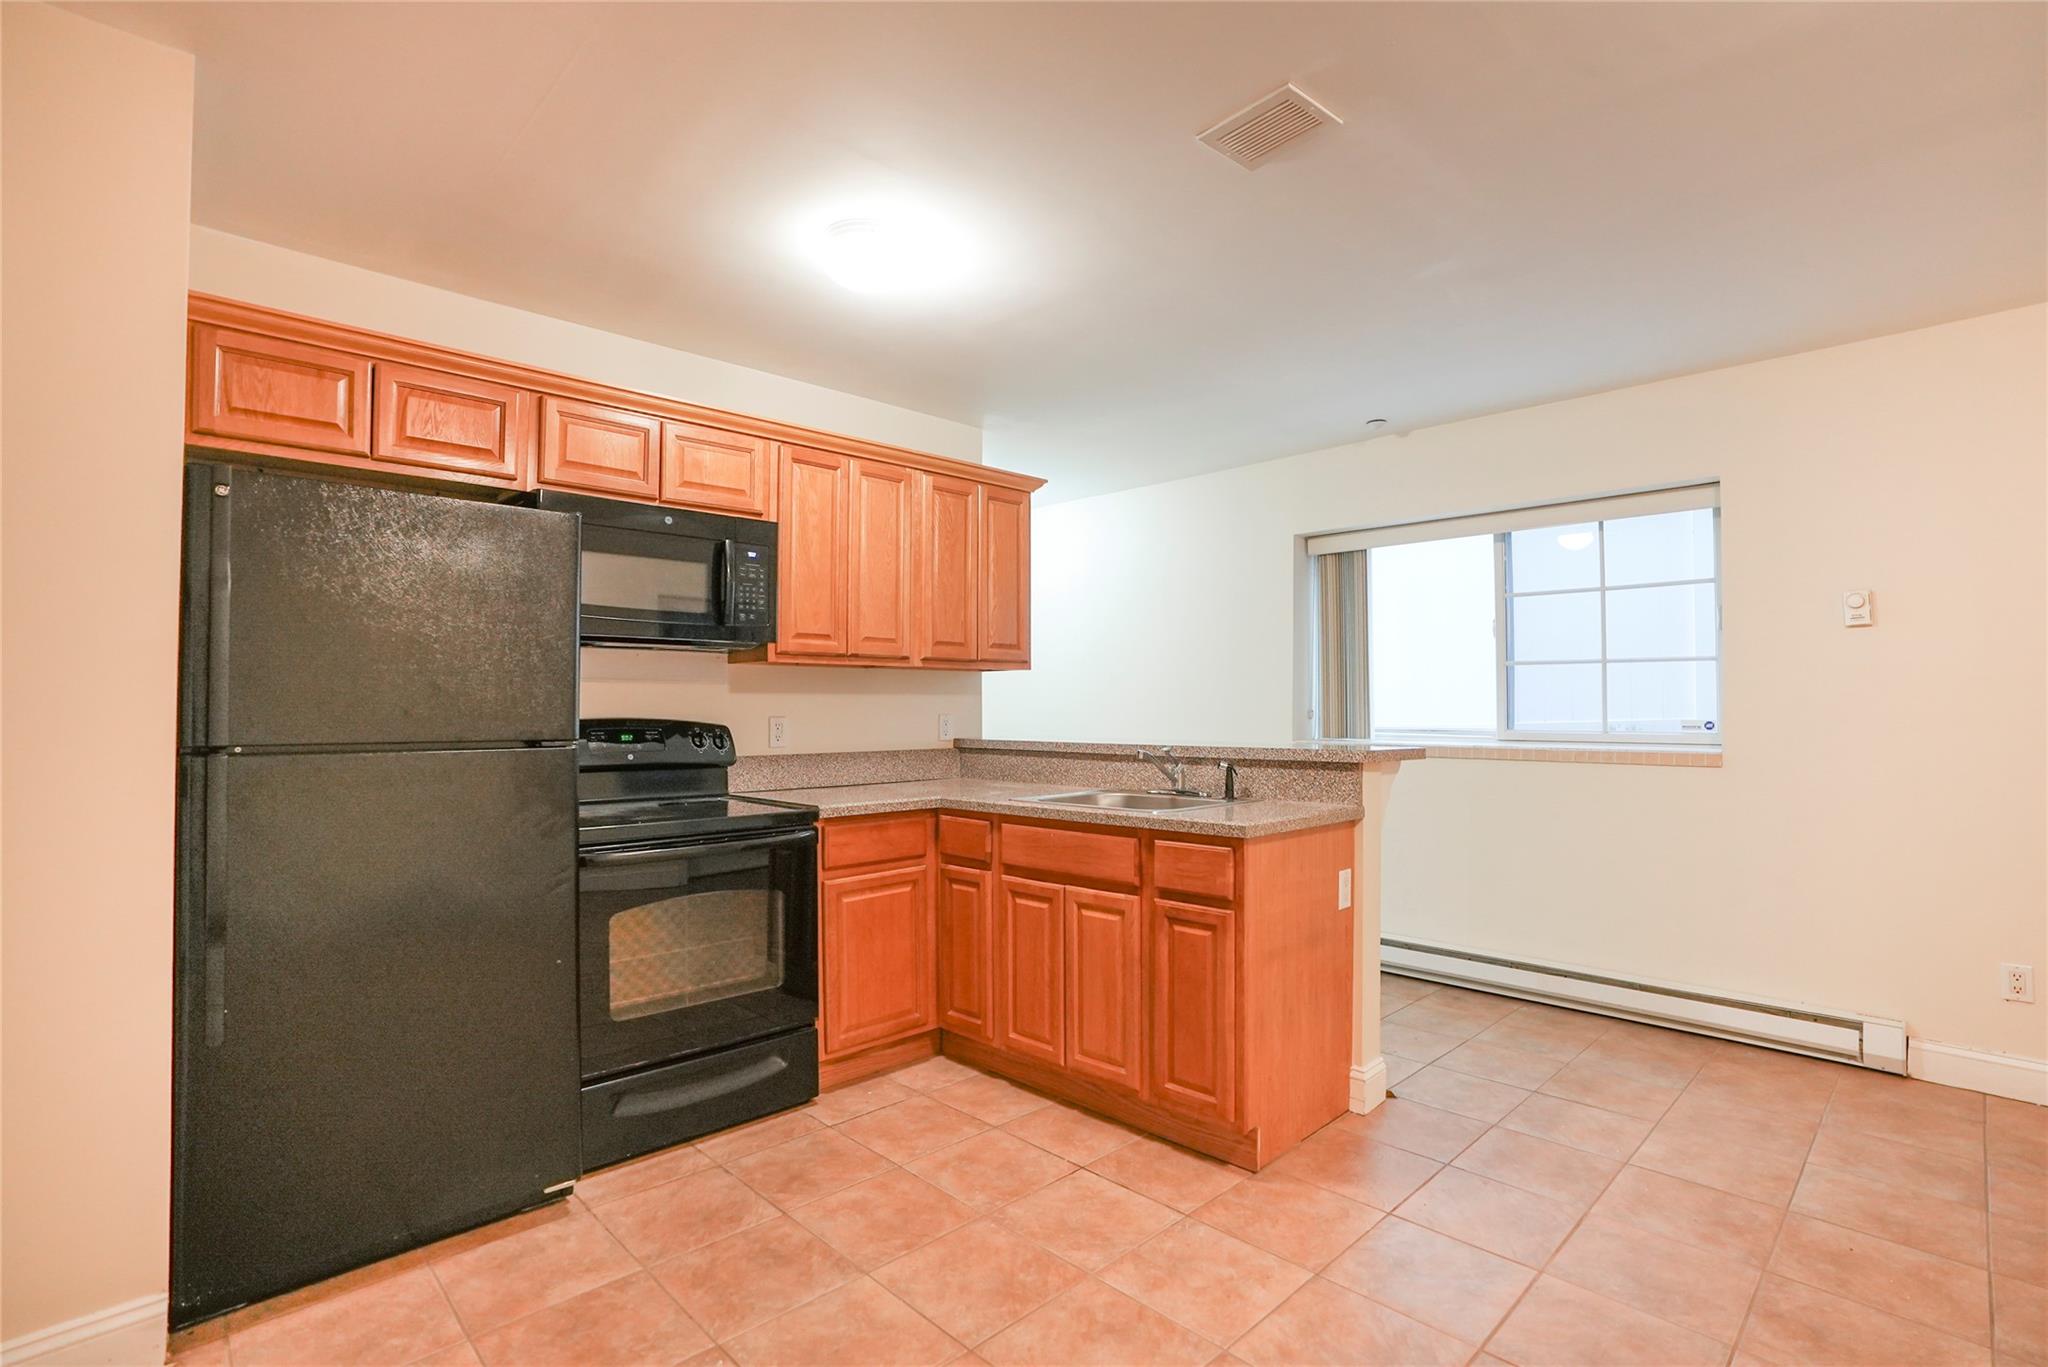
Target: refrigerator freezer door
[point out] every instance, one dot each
(323, 613)
(376, 1033)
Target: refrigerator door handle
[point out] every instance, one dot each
(220, 582)
(215, 896)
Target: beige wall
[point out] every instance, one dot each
(1875, 840)
(827, 708)
(97, 170)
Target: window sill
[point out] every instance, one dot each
(1551, 752)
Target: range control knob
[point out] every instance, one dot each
(697, 739)
(718, 740)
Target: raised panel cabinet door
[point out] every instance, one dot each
(811, 512)
(1105, 986)
(439, 421)
(877, 945)
(1005, 624)
(966, 908)
(265, 389)
(952, 567)
(708, 467)
(1194, 995)
(599, 449)
(1031, 970)
(882, 541)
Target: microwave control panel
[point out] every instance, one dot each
(752, 584)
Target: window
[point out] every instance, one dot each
(1596, 620)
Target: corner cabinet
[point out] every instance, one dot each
(889, 558)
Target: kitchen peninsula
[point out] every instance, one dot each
(1191, 972)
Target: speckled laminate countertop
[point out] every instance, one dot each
(1320, 752)
(1242, 820)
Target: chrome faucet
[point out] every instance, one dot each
(1167, 763)
(1229, 779)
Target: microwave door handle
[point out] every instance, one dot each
(728, 581)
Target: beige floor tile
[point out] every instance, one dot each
(2021, 1312)
(1202, 1278)
(1948, 1229)
(1074, 1134)
(1325, 1324)
(806, 1168)
(1410, 1125)
(932, 1073)
(1302, 1223)
(679, 1216)
(625, 1323)
(977, 1280)
(1692, 1214)
(1796, 1325)
(858, 1325)
(1093, 1325)
(991, 1169)
(1416, 1044)
(1457, 1092)
(1951, 1177)
(396, 1319)
(910, 1129)
(1571, 1177)
(495, 1283)
(1592, 1085)
(623, 1179)
(1168, 1174)
(1443, 1282)
(748, 1278)
(1355, 1167)
(1087, 1219)
(1561, 1325)
(1491, 1215)
(1498, 1062)
(1707, 1293)
(842, 1104)
(1713, 1161)
(1948, 1296)
(1607, 1133)
(883, 1218)
(727, 1145)
(991, 1099)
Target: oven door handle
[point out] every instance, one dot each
(671, 853)
(692, 1093)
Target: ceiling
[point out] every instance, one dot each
(1524, 202)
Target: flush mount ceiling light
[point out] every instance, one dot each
(888, 249)
(1575, 541)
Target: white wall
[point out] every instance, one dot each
(827, 707)
(1875, 841)
(97, 165)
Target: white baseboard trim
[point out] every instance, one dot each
(1951, 1065)
(114, 1317)
(1368, 1085)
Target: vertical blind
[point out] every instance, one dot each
(1340, 645)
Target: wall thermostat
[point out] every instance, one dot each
(1857, 607)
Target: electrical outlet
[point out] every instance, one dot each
(778, 732)
(945, 726)
(1343, 889)
(2016, 982)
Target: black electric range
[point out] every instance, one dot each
(697, 940)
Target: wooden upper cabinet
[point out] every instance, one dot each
(879, 963)
(1194, 1005)
(1005, 626)
(951, 561)
(710, 468)
(1105, 986)
(598, 449)
(882, 554)
(439, 421)
(1030, 960)
(248, 387)
(811, 612)
(966, 914)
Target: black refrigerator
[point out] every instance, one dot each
(375, 1039)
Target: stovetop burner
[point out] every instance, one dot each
(643, 781)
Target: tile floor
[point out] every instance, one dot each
(1545, 1188)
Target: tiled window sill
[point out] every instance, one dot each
(1655, 756)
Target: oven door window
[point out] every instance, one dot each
(646, 577)
(693, 948)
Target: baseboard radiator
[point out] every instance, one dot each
(1870, 1042)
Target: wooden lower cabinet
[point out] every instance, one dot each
(1197, 988)
(1105, 986)
(966, 915)
(1194, 1008)
(879, 963)
(1031, 970)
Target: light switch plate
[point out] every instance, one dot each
(1343, 889)
(1858, 608)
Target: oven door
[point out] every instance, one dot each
(694, 947)
(693, 585)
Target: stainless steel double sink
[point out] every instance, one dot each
(1110, 799)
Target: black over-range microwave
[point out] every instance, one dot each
(669, 577)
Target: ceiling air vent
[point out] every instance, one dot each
(1264, 126)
